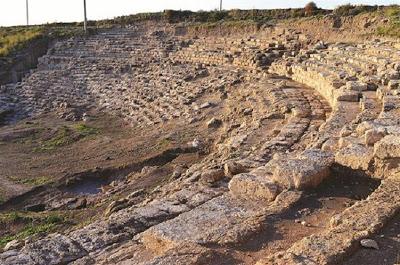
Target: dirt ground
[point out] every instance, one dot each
(47, 160)
(310, 215)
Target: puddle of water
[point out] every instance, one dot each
(87, 186)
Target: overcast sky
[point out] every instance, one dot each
(12, 12)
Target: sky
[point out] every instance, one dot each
(12, 12)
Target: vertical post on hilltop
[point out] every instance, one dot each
(85, 17)
(27, 13)
(220, 5)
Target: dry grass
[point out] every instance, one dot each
(12, 39)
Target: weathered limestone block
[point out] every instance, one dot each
(355, 156)
(364, 126)
(248, 186)
(346, 95)
(54, 249)
(232, 168)
(331, 145)
(346, 141)
(394, 84)
(356, 86)
(212, 175)
(390, 103)
(15, 257)
(222, 220)
(373, 136)
(307, 170)
(98, 235)
(182, 254)
(388, 147)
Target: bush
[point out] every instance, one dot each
(310, 9)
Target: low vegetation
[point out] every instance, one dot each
(353, 10)
(85, 130)
(32, 181)
(175, 16)
(393, 29)
(12, 39)
(27, 224)
(66, 135)
(15, 39)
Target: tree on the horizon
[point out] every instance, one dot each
(310, 8)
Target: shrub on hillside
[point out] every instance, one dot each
(353, 10)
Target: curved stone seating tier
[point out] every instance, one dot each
(316, 108)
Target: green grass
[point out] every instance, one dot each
(15, 39)
(60, 139)
(163, 143)
(33, 225)
(33, 182)
(13, 217)
(85, 130)
(393, 29)
(28, 231)
(67, 135)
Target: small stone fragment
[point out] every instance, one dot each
(369, 243)
(214, 123)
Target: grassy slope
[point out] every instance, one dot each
(14, 39)
(393, 29)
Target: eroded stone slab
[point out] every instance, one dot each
(223, 220)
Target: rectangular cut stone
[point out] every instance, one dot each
(356, 86)
(253, 187)
(216, 221)
(355, 156)
(388, 147)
